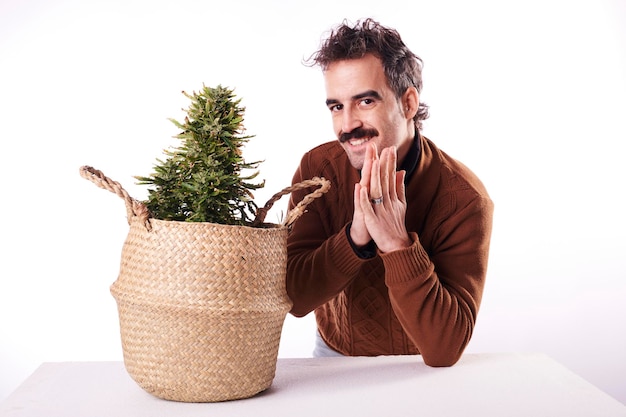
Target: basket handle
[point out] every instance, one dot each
(299, 209)
(139, 209)
(133, 207)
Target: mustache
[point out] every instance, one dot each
(358, 133)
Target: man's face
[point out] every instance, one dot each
(364, 108)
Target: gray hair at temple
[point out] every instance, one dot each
(402, 67)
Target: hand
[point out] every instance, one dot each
(384, 222)
(358, 231)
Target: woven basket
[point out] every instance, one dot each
(202, 305)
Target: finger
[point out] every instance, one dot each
(401, 193)
(384, 173)
(358, 231)
(391, 171)
(375, 189)
(367, 210)
(370, 154)
(357, 198)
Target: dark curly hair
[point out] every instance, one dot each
(402, 67)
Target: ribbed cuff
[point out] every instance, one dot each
(407, 264)
(343, 256)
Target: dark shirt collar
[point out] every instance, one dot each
(412, 158)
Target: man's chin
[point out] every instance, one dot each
(357, 163)
(356, 158)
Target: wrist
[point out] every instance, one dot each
(356, 238)
(366, 251)
(396, 245)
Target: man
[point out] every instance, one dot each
(393, 258)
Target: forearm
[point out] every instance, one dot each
(437, 313)
(316, 273)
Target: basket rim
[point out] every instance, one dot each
(261, 227)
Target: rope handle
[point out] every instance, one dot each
(133, 206)
(299, 209)
(139, 209)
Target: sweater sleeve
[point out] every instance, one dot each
(316, 276)
(436, 295)
(321, 261)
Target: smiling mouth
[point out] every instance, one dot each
(359, 141)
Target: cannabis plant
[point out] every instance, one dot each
(202, 180)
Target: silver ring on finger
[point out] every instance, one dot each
(378, 200)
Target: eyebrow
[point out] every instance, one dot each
(368, 93)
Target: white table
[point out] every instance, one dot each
(528, 385)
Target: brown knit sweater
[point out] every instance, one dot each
(423, 299)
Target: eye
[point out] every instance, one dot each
(335, 107)
(366, 102)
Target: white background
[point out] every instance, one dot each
(530, 94)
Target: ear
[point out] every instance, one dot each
(410, 102)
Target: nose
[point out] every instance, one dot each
(350, 120)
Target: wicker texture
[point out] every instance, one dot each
(202, 305)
